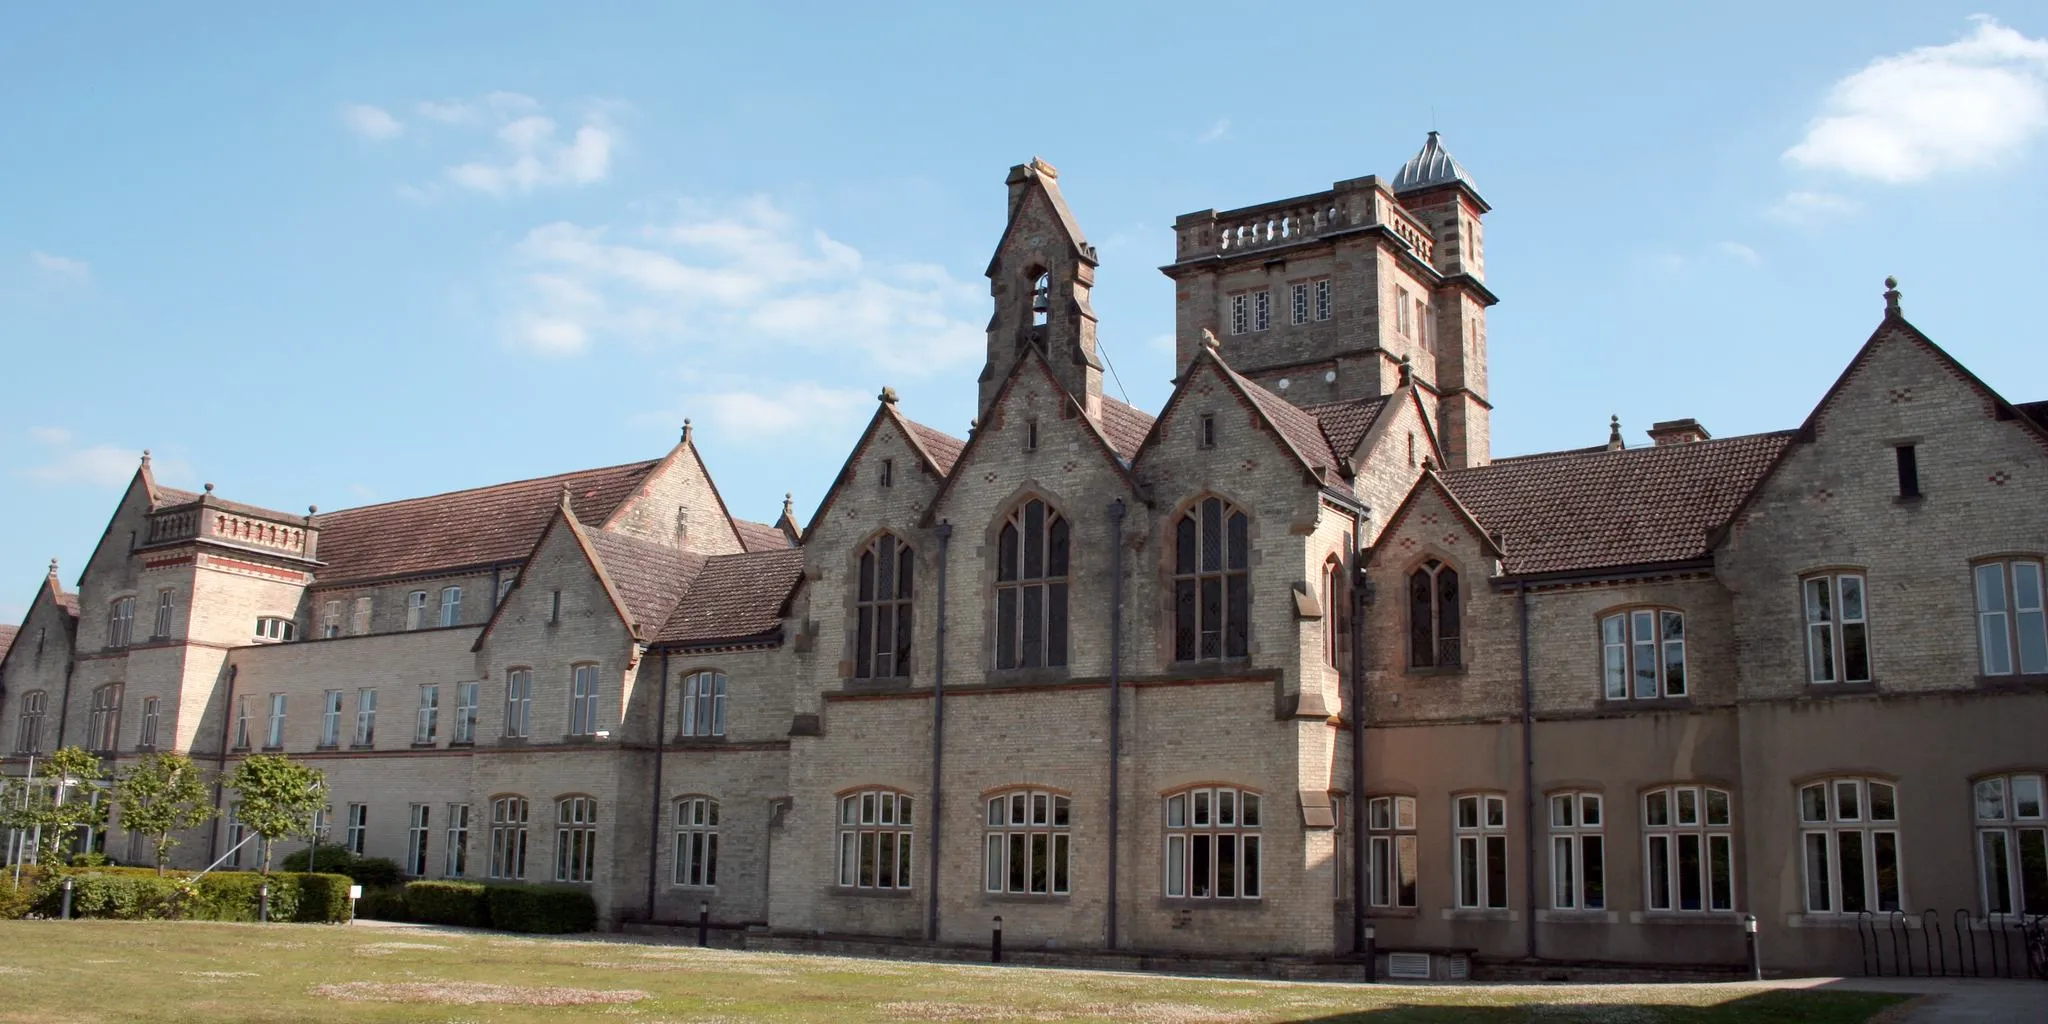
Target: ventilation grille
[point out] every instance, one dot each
(1408, 965)
(1458, 968)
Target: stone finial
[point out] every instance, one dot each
(888, 395)
(1891, 296)
(1614, 433)
(209, 487)
(145, 456)
(686, 430)
(1407, 372)
(789, 504)
(1209, 340)
(1045, 170)
(312, 510)
(53, 567)
(565, 487)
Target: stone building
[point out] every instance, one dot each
(1294, 657)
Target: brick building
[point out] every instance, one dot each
(1294, 657)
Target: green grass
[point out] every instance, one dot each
(167, 972)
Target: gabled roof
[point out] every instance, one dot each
(938, 450)
(2036, 411)
(460, 529)
(1585, 510)
(734, 600)
(1344, 424)
(760, 536)
(1432, 166)
(650, 578)
(1429, 481)
(1042, 174)
(1126, 426)
(941, 448)
(1300, 430)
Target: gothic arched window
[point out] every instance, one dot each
(1031, 588)
(1433, 616)
(882, 640)
(1336, 620)
(1211, 584)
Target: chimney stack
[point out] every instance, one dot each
(1685, 431)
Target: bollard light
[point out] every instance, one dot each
(1749, 923)
(1756, 963)
(995, 942)
(1372, 954)
(703, 923)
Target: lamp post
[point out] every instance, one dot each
(1372, 954)
(995, 942)
(703, 922)
(1756, 965)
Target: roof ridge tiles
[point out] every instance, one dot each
(648, 463)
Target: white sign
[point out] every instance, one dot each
(355, 892)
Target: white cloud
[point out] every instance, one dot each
(67, 463)
(1216, 131)
(531, 156)
(371, 122)
(1972, 103)
(744, 281)
(1741, 252)
(62, 266)
(798, 411)
(1808, 208)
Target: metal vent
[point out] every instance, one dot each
(1458, 968)
(1408, 965)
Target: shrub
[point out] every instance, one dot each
(385, 903)
(375, 871)
(323, 898)
(333, 860)
(541, 909)
(138, 893)
(15, 900)
(466, 904)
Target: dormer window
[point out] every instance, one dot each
(274, 628)
(416, 609)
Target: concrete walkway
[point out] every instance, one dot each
(1953, 1000)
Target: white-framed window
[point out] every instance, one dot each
(1480, 826)
(576, 839)
(1031, 588)
(1213, 848)
(875, 832)
(1849, 836)
(150, 717)
(237, 833)
(1323, 299)
(704, 704)
(1027, 843)
(273, 737)
(242, 722)
(583, 700)
(1240, 314)
(1404, 323)
(416, 609)
(366, 716)
(359, 619)
(882, 609)
(518, 701)
(330, 718)
(466, 697)
(456, 861)
(2012, 843)
(1578, 852)
(358, 832)
(276, 628)
(1642, 653)
(508, 837)
(103, 729)
(696, 862)
(121, 622)
(28, 723)
(507, 576)
(1262, 310)
(1298, 303)
(451, 606)
(1837, 628)
(1211, 582)
(164, 604)
(1688, 849)
(427, 727)
(1433, 617)
(2012, 627)
(1391, 847)
(416, 841)
(330, 619)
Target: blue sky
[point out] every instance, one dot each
(375, 251)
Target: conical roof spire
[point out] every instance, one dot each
(1433, 166)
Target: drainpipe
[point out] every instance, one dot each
(64, 703)
(220, 772)
(1528, 777)
(1361, 595)
(933, 816)
(1116, 693)
(654, 802)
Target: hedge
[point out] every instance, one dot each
(139, 893)
(541, 909)
(367, 871)
(465, 904)
(383, 903)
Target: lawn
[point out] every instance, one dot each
(163, 972)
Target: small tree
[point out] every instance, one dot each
(159, 796)
(62, 799)
(278, 798)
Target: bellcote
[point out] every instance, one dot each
(1040, 278)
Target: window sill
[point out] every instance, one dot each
(1027, 676)
(1394, 913)
(848, 892)
(328, 746)
(462, 743)
(871, 684)
(583, 739)
(698, 742)
(268, 749)
(1480, 914)
(1841, 689)
(428, 745)
(362, 746)
(1581, 917)
(513, 741)
(1240, 904)
(1716, 918)
(1042, 898)
(1645, 703)
(2013, 683)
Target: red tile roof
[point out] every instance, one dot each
(68, 603)
(760, 536)
(1602, 509)
(480, 526)
(944, 448)
(650, 578)
(735, 599)
(1300, 429)
(169, 496)
(1344, 424)
(7, 639)
(1125, 425)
